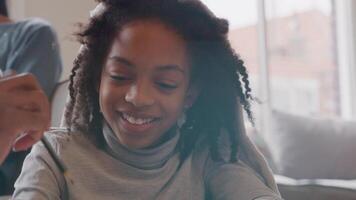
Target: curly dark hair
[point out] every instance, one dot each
(219, 72)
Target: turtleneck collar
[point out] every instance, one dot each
(150, 158)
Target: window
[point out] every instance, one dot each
(297, 63)
(301, 47)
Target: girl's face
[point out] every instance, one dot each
(145, 83)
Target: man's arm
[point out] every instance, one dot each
(37, 52)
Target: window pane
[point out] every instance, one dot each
(302, 57)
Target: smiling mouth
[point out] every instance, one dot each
(137, 120)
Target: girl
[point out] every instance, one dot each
(154, 112)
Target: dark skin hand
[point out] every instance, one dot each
(4, 19)
(24, 113)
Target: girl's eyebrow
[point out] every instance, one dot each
(122, 60)
(160, 68)
(171, 68)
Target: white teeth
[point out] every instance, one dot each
(138, 121)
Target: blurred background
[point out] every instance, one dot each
(300, 55)
(63, 16)
(303, 60)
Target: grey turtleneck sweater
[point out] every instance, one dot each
(120, 173)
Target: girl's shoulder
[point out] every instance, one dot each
(64, 140)
(229, 180)
(57, 133)
(202, 157)
(201, 153)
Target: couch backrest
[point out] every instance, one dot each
(305, 147)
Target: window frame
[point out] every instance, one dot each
(346, 52)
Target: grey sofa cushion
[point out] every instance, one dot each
(304, 147)
(312, 189)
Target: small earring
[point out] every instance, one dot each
(181, 120)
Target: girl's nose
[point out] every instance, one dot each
(139, 95)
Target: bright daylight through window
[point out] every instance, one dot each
(302, 63)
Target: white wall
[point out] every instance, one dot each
(63, 15)
(346, 49)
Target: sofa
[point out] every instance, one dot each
(312, 158)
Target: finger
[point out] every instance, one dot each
(27, 140)
(35, 100)
(19, 82)
(9, 72)
(34, 121)
(32, 101)
(24, 120)
(22, 104)
(24, 111)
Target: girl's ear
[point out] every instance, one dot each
(97, 86)
(98, 82)
(192, 94)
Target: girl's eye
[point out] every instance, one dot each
(167, 86)
(120, 77)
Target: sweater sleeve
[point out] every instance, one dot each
(231, 181)
(40, 178)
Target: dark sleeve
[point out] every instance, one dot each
(227, 181)
(36, 50)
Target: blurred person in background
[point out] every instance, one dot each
(27, 46)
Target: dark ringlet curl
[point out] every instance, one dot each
(216, 70)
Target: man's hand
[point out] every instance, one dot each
(24, 113)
